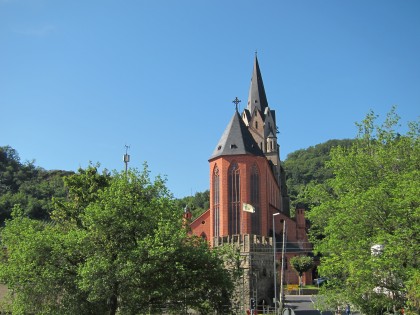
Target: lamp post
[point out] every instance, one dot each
(282, 265)
(274, 264)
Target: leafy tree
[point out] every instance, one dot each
(373, 199)
(307, 166)
(117, 243)
(28, 186)
(198, 204)
(302, 264)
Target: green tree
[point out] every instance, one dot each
(116, 244)
(372, 199)
(307, 166)
(198, 204)
(28, 186)
(301, 264)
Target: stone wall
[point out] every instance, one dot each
(257, 264)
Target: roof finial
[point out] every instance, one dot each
(236, 101)
(256, 52)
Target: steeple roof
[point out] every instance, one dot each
(236, 140)
(257, 97)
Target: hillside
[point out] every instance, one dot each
(308, 165)
(302, 167)
(33, 187)
(29, 186)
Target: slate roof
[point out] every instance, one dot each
(256, 96)
(236, 139)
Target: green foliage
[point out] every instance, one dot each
(198, 204)
(372, 199)
(30, 187)
(116, 243)
(302, 264)
(307, 166)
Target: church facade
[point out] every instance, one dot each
(248, 199)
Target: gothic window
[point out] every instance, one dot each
(255, 200)
(216, 201)
(234, 186)
(256, 125)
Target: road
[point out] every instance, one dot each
(303, 305)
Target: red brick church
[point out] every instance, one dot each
(248, 193)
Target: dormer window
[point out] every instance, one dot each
(256, 125)
(233, 146)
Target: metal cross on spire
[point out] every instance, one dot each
(236, 101)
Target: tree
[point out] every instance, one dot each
(301, 264)
(28, 186)
(306, 166)
(117, 244)
(372, 199)
(198, 203)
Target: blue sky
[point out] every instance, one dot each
(79, 80)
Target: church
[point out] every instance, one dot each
(249, 201)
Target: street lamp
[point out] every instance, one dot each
(282, 265)
(274, 264)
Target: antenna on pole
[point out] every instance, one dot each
(126, 158)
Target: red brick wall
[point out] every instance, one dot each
(201, 225)
(269, 191)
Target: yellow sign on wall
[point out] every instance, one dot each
(292, 287)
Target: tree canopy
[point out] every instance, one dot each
(307, 166)
(302, 264)
(198, 203)
(29, 186)
(373, 199)
(116, 243)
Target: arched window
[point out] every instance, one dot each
(234, 199)
(216, 201)
(255, 200)
(203, 236)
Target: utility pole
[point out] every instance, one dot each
(126, 158)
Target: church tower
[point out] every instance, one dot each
(248, 195)
(245, 169)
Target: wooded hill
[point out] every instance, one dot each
(27, 185)
(302, 167)
(34, 188)
(306, 166)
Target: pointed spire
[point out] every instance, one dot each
(257, 97)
